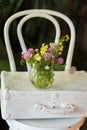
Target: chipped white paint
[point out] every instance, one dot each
(61, 108)
(68, 95)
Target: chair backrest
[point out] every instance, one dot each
(38, 13)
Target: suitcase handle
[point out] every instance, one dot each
(60, 108)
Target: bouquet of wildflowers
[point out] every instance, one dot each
(45, 60)
(47, 57)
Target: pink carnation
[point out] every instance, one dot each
(47, 56)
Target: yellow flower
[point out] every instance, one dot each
(37, 57)
(60, 43)
(67, 37)
(43, 49)
(61, 48)
(60, 53)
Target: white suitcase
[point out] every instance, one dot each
(21, 100)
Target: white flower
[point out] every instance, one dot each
(36, 50)
(47, 67)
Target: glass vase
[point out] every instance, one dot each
(41, 79)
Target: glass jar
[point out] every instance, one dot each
(41, 79)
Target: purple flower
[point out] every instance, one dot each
(55, 60)
(26, 56)
(30, 50)
(47, 56)
(73, 68)
(60, 60)
(50, 49)
(53, 46)
(22, 57)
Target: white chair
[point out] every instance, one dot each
(50, 12)
(39, 124)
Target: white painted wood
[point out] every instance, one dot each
(0, 97)
(50, 12)
(46, 124)
(21, 100)
(16, 124)
(57, 129)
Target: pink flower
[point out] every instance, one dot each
(73, 68)
(30, 50)
(55, 60)
(22, 57)
(47, 56)
(53, 46)
(50, 49)
(26, 56)
(60, 60)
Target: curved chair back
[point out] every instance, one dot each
(37, 13)
(32, 15)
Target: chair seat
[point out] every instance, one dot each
(46, 124)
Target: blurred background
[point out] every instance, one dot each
(37, 30)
